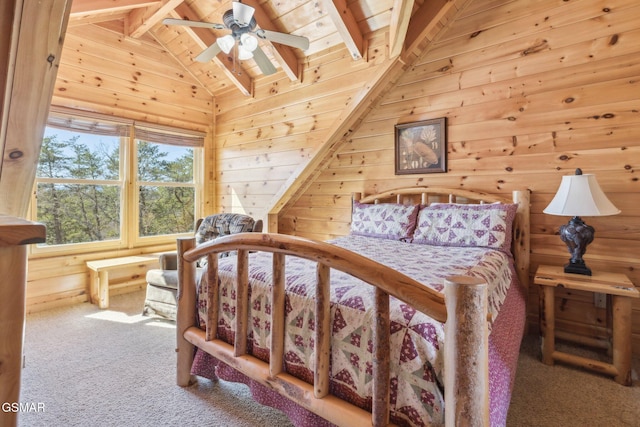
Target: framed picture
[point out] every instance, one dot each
(421, 147)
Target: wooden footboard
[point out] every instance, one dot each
(466, 356)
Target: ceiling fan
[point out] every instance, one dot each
(244, 37)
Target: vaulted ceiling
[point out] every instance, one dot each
(325, 23)
(117, 57)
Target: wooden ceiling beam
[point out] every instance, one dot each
(423, 22)
(142, 19)
(347, 26)
(283, 54)
(96, 7)
(78, 20)
(205, 38)
(400, 17)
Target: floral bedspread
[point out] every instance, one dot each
(417, 395)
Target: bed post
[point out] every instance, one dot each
(466, 352)
(186, 312)
(521, 240)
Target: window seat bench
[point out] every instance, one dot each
(99, 273)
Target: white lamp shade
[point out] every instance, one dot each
(226, 43)
(580, 195)
(249, 42)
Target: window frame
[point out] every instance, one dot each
(134, 223)
(129, 198)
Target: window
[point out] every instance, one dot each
(98, 186)
(166, 190)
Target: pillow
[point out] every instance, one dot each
(459, 204)
(384, 220)
(488, 226)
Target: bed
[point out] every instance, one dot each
(352, 331)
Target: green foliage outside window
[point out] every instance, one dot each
(79, 213)
(80, 188)
(165, 209)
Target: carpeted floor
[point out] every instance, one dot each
(91, 367)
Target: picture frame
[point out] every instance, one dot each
(421, 147)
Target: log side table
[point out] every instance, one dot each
(621, 290)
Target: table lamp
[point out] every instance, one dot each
(579, 195)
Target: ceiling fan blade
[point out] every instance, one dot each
(242, 13)
(286, 39)
(209, 53)
(186, 22)
(263, 62)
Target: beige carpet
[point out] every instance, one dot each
(90, 367)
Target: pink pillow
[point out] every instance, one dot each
(384, 220)
(488, 226)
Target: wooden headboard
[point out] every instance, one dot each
(520, 246)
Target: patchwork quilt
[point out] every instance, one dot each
(417, 395)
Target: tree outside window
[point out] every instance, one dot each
(81, 187)
(166, 205)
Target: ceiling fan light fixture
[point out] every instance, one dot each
(226, 43)
(248, 42)
(242, 13)
(244, 54)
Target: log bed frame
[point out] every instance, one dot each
(463, 308)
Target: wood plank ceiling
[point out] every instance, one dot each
(326, 23)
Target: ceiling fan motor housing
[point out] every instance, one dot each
(237, 28)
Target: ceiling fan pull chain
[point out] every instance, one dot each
(235, 56)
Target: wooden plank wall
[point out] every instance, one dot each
(262, 141)
(102, 71)
(531, 91)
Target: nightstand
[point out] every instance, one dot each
(621, 290)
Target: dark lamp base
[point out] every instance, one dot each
(577, 235)
(577, 268)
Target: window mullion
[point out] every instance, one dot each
(131, 193)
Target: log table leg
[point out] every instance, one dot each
(622, 339)
(548, 344)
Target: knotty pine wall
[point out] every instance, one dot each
(262, 141)
(102, 71)
(530, 90)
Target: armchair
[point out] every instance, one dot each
(162, 283)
